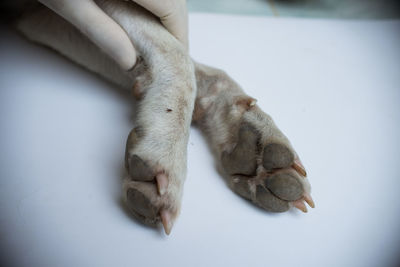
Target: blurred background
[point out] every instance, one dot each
(335, 9)
(338, 9)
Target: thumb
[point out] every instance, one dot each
(98, 27)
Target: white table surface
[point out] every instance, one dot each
(332, 86)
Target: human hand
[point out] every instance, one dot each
(110, 37)
(173, 15)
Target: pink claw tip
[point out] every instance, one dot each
(299, 204)
(299, 167)
(166, 221)
(162, 183)
(309, 200)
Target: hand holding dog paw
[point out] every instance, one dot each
(108, 35)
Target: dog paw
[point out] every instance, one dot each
(152, 191)
(262, 166)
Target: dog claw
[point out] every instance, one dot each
(162, 183)
(299, 168)
(299, 204)
(166, 221)
(309, 200)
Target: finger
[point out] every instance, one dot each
(98, 27)
(177, 24)
(173, 15)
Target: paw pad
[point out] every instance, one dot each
(278, 183)
(285, 186)
(277, 156)
(141, 205)
(139, 170)
(242, 160)
(269, 202)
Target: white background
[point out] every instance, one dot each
(333, 87)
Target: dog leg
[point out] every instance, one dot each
(257, 159)
(164, 81)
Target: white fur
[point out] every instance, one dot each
(165, 75)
